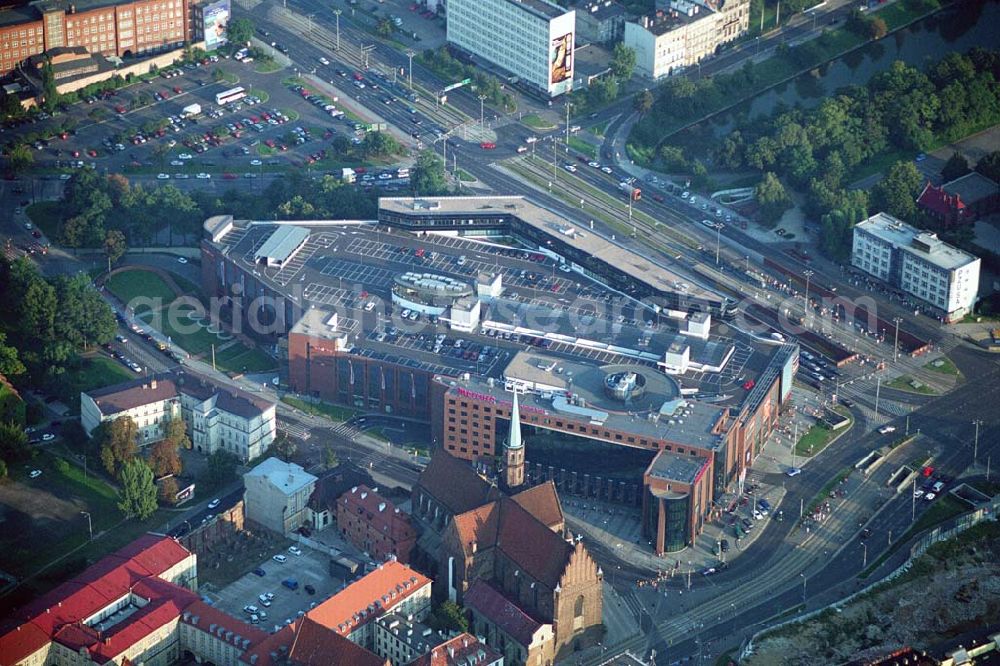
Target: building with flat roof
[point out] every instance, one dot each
(216, 416)
(600, 21)
(276, 495)
(533, 40)
(120, 28)
(919, 263)
(684, 33)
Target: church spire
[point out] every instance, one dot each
(513, 453)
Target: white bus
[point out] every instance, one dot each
(231, 95)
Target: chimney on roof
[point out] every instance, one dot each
(473, 546)
(451, 651)
(152, 384)
(381, 507)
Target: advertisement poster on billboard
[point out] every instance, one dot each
(216, 23)
(561, 60)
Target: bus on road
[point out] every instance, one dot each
(231, 95)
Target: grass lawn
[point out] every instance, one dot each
(46, 216)
(599, 129)
(581, 146)
(93, 372)
(944, 366)
(819, 436)
(56, 525)
(267, 67)
(292, 114)
(334, 412)
(187, 286)
(465, 176)
(534, 121)
(242, 359)
(824, 492)
(192, 339)
(136, 284)
(902, 383)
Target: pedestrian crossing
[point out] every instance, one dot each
(296, 430)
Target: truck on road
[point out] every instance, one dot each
(630, 190)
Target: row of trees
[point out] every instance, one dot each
(901, 109)
(451, 69)
(46, 322)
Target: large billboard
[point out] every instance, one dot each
(561, 60)
(215, 22)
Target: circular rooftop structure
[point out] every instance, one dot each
(431, 286)
(635, 388)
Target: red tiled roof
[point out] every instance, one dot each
(384, 517)
(453, 483)
(385, 587)
(201, 615)
(522, 537)
(937, 200)
(488, 602)
(456, 651)
(316, 645)
(129, 395)
(29, 628)
(542, 501)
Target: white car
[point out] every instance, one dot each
(885, 430)
(324, 61)
(176, 163)
(606, 170)
(570, 167)
(264, 600)
(163, 176)
(280, 559)
(182, 260)
(35, 473)
(795, 471)
(184, 156)
(594, 164)
(757, 515)
(930, 496)
(48, 437)
(214, 503)
(250, 609)
(295, 550)
(203, 176)
(255, 162)
(918, 493)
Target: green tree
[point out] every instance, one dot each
(773, 199)
(13, 443)
(956, 167)
(384, 28)
(114, 245)
(448, 617)
(284, 446)
(20, 158)
(3, 470)
(240, 31)
(164, 457)
(166, 491)
(644, 102)
(329, 457)
(118, 443)
(10, 362)
(623, 62)
(84, 317)
(380, 144)
(221, 467)
(427, 175)
(50, 95)
(137, 492)
(989, 166)
(896, 193)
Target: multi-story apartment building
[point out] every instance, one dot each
(276, 494)
(216, 416)
(375, 525)
(151, 402)
(532, 39)
(918, 263)
(391, 588)
(109, 27)
(684, 34)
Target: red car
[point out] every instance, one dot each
(75, 153)
(64, 136)
(487, 145)
(749, 384)
(269, 143)
(178, 90)
(358, 76)
(92, 152)
(229, 176)
(119, 108)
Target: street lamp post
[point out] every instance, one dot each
(718, 240)
(913, 501)
(803, 589)
(895, 342)
(482, 100)
(337, 12)
(878, 390)
(975, 442)
(808, 274)
(864, 559)
(409, 71)
(90, 525)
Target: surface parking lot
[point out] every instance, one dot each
(310, 568)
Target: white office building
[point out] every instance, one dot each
(919, 263)
(216, 416)
(686, 32)
(532, 39)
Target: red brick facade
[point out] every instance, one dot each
(129, 28)
(374, 525)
